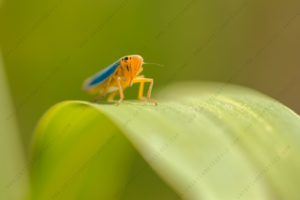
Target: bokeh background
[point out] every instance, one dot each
(49, 47)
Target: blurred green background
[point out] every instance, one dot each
(49, 47)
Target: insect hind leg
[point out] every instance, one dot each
(111, 96)
(119, 92)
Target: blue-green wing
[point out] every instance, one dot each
(101, 76)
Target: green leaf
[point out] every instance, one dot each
(203, 141)
(13, 169)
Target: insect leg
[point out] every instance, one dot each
(141, 91)
(106, 87)
(142, 81)
(97, 98)
(112, 96)
(141, 88)
(120, 90)
(150, 89)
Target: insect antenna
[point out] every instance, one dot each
(160, 65)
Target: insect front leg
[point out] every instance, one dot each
(141, 88)
(142, 82)
(141, 91)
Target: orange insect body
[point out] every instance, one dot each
(117, 77)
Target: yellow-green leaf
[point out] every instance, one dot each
(202, 141)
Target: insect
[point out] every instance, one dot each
(118, 76)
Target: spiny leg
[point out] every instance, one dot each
(142, 81)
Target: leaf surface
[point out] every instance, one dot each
(203, 141)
